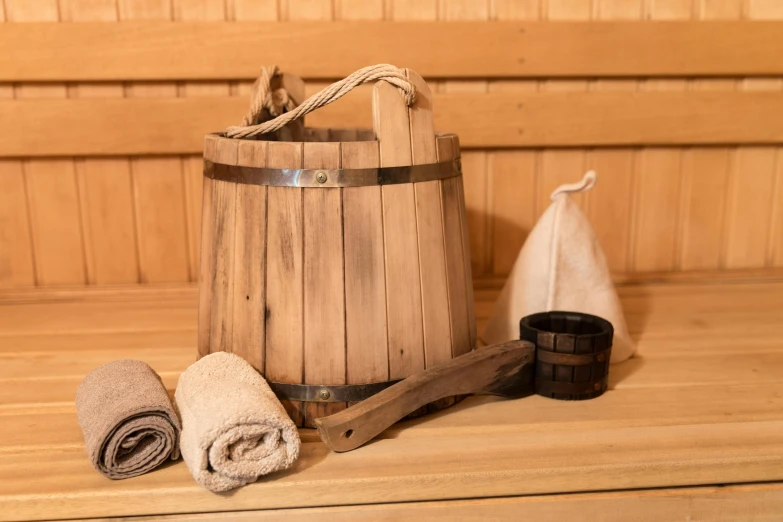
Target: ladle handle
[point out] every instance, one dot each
(495, 369)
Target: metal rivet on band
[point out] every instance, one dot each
(321, 178)
(324, 394)
(600, 357)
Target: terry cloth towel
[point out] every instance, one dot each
(129, 424)
(561, 267)
(234, 428)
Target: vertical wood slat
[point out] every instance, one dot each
(365, 285)
(658, 178)
(754, 223)
(249, 309)
(403, 286)
(429, 225)
(475, 178)
(105, 185)
(284, 350)
(158, 187)
(16, 253)
(436, 319)
(456, 269)
(610, 202)
(324, 297)
(207, 255)
(206, 266)
(196, 10)
(705, 183)
(562, 166)
(223, 233)
(705, 174)
(52, 192)
(466, 257)
(513, 174)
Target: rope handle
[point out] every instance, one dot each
(285, 110)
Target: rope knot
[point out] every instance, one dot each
(284, 109)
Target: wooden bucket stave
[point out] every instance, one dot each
(333, 286)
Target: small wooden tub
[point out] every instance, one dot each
(334, 282)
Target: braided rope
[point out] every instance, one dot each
(262, 97)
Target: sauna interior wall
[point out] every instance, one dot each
(676, 211)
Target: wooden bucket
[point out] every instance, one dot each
(335, 282)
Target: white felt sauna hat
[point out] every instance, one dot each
(560, 267)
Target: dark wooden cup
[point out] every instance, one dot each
(572, 353)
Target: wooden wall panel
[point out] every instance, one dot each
(656, 209)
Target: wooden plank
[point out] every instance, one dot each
(16, 249)
(750, 207)
(429, 225)
(56, 227)
(16, 252)
(105, 188)
(498, 120)
(105, 185)
(434, 468)
(513, 210)
(403, 284)
(657, 208)
(706, 173)
(223, 234)
(457, 265)
(474, 164)
(30, 426)
(765, 10)
(536, 49)
(206, 269)
(324, 289)
(249, 309)
(514, 205)
(704, 503)
(284, 281)
(658, 219)
(365, 288)
(562, 166)
(466, 257)
(158, 188)
(609, 204)
(51, 190)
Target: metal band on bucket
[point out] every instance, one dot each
(328, 392)
(331, 178)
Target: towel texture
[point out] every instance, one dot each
(127, 418)
(234, 428)
(561, 267)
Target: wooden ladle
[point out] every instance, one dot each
(502, 369)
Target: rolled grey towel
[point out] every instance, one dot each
(129, 424)
(234, 428)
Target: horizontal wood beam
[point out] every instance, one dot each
(153, 50)
(132, 126)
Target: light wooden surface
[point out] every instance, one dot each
(673, 210)
(170, 125)
(509, 49)
(700, 405)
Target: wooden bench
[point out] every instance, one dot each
(100, 171)
(695, 415)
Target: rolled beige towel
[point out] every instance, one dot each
(234, 428)
(129, 424)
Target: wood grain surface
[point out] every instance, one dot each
(700, 405)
